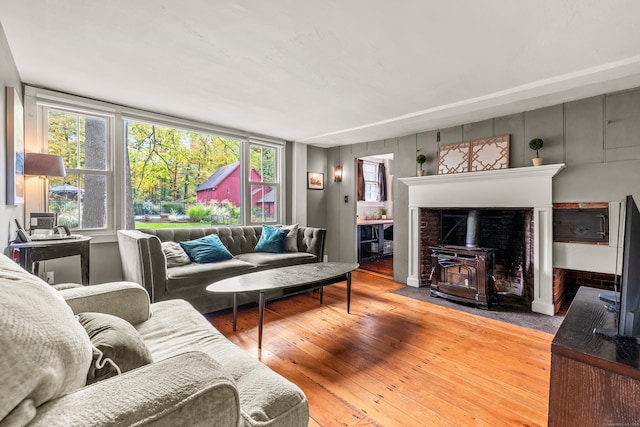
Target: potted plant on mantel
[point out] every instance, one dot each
(536, 144)
(420, 159)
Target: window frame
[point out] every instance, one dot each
(377, 184)
(43, 109)
(247, 183)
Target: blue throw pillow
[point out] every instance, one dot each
(206, 249)
(272, 240)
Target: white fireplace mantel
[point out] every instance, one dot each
(528, 187)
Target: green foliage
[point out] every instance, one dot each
(536, 144)
(263, 162)
(166, 224)
(67, 212)
(199, 212)
(421, 158)
(224, 213)
(168, 164)
(170, 207)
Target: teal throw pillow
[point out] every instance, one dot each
(206, 249)
(272, 240)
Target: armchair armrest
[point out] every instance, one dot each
(188, 389)
(126, 300)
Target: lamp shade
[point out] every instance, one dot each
(43, 165)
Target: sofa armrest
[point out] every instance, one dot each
(188, 389)
(126, 300)
(312, 240)
(143, 261)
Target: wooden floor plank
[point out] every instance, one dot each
(398, 361)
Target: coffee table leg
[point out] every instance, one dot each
(321, 292)
(349, 292)
(235, 310)
(260, 318)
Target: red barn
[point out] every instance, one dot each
(224, 184)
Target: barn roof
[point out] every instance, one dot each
(217, 177)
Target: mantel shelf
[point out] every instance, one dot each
(510, 173)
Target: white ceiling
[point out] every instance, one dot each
(328, 72)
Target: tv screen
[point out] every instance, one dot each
(629, 309)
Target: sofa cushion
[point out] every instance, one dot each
(272, 240)
(206, 249)
(118, 347)
(45, 352)
(266, 398)
(175, 254)
(291, 243)
(199, 274)
(265, 259)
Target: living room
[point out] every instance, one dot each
(556, 79)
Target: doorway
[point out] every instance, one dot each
(374, 213)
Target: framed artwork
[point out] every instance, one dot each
(473, 156)
(15, 147)
(315, 181)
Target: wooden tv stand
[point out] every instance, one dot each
(595, 379)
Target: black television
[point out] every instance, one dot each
(629, 307)
(626, 302)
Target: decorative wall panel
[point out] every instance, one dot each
(454, 158)
(477, 155)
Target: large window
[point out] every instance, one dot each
(128, 168)
(80, 198)
(187, 178)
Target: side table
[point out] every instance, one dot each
(31, 253)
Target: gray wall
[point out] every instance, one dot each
(316, 199)
(8, 77)
(597, 138)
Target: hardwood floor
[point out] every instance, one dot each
(382, 266)
(396, 361)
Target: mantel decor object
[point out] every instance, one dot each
(420, 159)
(536, 144)
(481, 154)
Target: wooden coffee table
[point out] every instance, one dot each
(302, 277)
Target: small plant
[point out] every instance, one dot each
(199, 212)
(383, 211)
(173, 216)
(536, 144)
(420, 159)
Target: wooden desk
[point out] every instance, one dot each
(595, 380)
(371, 239)
(31, 253)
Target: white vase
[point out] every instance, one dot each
(537, 161)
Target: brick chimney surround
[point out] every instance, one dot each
(526, 187)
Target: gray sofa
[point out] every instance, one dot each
(196, 376)
(144, 262)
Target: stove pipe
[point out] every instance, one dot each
(473, 229)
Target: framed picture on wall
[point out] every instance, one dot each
(315, 181)
(15, 148)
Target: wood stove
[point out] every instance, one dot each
(464, 274)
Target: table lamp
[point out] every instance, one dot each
(44, 165)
